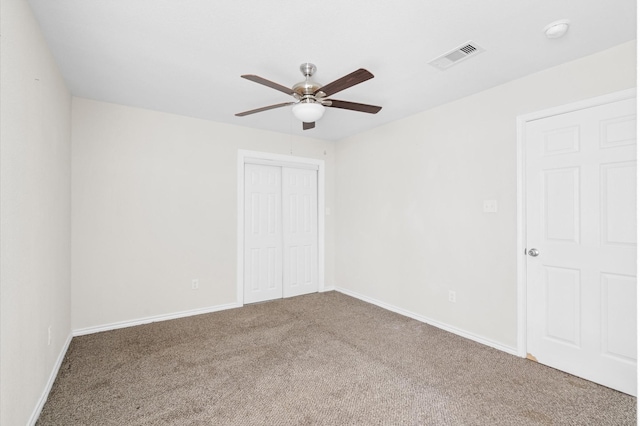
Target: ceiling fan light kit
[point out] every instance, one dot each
(308, 112)
(310, 97)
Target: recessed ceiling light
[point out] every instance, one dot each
(556, 29)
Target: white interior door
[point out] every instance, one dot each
(263, 233)
(581, 222)
(280, 232)
(300, 231)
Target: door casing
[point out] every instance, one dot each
(521, 198)
(267, 158)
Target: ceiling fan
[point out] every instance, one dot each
(311, 98)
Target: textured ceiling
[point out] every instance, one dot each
(186, 56)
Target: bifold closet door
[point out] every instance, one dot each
(263, 233)
(300, 231)
(281, 232)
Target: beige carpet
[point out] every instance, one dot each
(318, 359)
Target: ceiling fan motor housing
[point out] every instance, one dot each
(308, 86)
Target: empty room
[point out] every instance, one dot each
(281, 213)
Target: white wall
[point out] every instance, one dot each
(35, 165)
(409, 219)
(154, 206)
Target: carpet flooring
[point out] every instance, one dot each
(319, 359)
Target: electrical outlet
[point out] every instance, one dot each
(452, 296)
(49, 336)
(195, 284)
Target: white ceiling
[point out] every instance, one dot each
(186, 56)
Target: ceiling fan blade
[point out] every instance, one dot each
(371, 109)
(307, 126)
(345, 82)
(253, 111)
(264, 81)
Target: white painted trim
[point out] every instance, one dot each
(521, 239)
(279, 163)
(576, 106)
(52, 378)
(521, 264)
(245, 156)
(156, 318)
(240, 228)
(426, 320)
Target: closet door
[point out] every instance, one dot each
(300, 231)
(263, 233)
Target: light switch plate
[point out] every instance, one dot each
(490, 206)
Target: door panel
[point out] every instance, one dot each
(562, 299)
(581, 217)
(617, 200)
(618, 304)
(263, 233)
(300, 192)
(561, 205)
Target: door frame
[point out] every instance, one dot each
(268, 158)
(521, 264)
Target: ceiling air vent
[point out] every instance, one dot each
(456, 55)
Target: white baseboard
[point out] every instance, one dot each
(328, 288)
(156, 318)
(52, 378)
(450, 329)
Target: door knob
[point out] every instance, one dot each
(533, 252)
